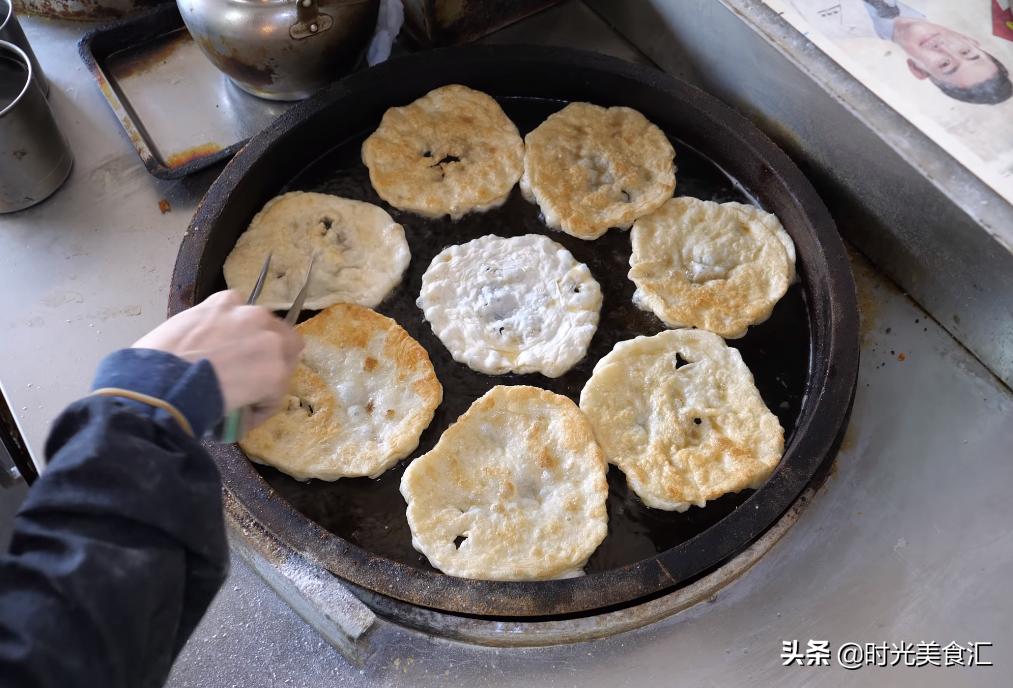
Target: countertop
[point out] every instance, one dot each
(908, 539)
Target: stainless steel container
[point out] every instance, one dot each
(35, 159)
(281, 49)
(10, 31)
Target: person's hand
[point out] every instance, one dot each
(252, 351)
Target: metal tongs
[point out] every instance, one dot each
(233, 425)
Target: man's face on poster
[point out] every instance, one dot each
(943, 54)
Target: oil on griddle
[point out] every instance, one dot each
(371, 513)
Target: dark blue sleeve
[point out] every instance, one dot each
(120, 545)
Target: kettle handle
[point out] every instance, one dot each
(310, 21)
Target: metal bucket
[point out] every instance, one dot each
(10, 31)
(35, 159)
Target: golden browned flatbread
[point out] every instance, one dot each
(359, 400)
(679, 413)
(720, 267)
(514, 490)
(590, 168)
(451, 152)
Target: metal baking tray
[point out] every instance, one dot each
(180, 112)
(804, 358)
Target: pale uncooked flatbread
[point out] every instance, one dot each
(514, 490)
(679, 413)
(719, 267)
(359, 400)
(361, 252)
(521, 305)
(590, 168)
(451, 152)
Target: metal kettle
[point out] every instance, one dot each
(280, 49)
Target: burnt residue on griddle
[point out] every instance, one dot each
(371, 513)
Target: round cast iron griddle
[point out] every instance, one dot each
(360, 510)
(804, 358)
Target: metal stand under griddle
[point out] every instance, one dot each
(348, 616)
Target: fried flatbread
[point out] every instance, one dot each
(521, 305)
(361, 253)
(359, 400)
(451, 152)
(590, 168)
(719, 267)
(680, 415)
(514, 490)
